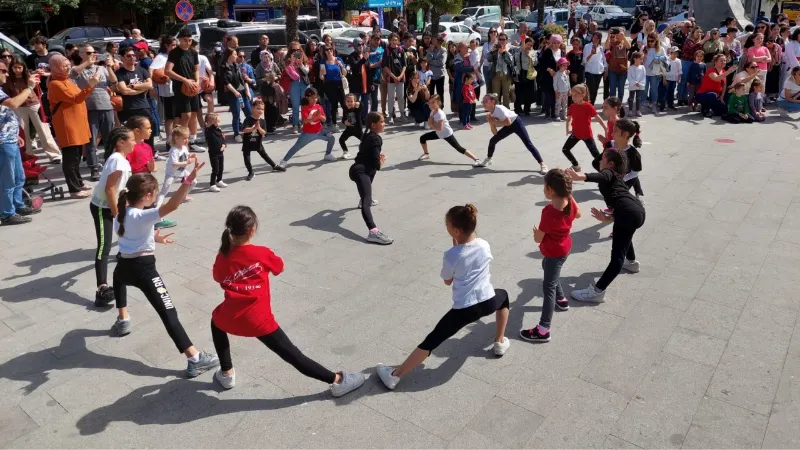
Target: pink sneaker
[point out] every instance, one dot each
(468, 127)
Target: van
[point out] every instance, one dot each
(248, 37)
(482, 13)
(561, 17)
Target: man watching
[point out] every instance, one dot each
(255, 55)
(133, 83)
(183, 67)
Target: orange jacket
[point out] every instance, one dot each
(71, 120)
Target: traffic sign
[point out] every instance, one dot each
(184, 10)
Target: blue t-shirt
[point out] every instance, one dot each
(9, 125)
(333, 72)
(374, 57)
(468, 265)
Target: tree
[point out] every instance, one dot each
(290, 10)
(436, 8)
(540, 14)
(32, 8)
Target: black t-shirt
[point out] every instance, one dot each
(131, 78)
(395, 60)
(35, 61)
(615, 192)
(185, 64)
(353, 116)
(252, 141)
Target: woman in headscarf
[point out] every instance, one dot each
(267, 75)
(70, 121)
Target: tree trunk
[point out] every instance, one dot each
(435, 21)
(540, 14)
(503, 8)
(291, 22)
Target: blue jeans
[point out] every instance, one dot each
(790, 107)
(617, 84)
(12, 178)
(156, 117)
(487, 79)
(296, 92)
(326, 105)
(709, 101)
(683, 93)
(670, 93)
(307, 138)
(236, 109)
(651, 88)
(464, 112)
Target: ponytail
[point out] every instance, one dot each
(630, 128)
(122, 203)
(637, 141)
(239, 224)
(226, 242)
(137, 187)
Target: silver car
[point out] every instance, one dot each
(510, 28)
(344, 41)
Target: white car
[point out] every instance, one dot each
(335, 27)
(682, 17)
(610, 16)
(509, 28)
(456, 32)
(344, 41)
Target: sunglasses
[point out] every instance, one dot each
(4, 71)
(502, 39)
(90, 53)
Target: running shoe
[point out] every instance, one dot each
(330, 157)
(238, 138)
(279, 168)
(15, 219)
(222, 184)
(282, 165)
(385, 374)
(206, 362)
(379, 237)
(543, 168)
(424, 157)
(166, 223)
(485, 163)
(160, 158)
(500, 348)
(347, 155)
(589, 295)
(349, 382)
(562, 304)
(250, 176)
(122, 327)
(631, 265)
(227, 381)
(477, 163)
(103, 297)
(214, 188)
(535, 335)
(28, 211)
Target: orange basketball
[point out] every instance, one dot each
(159, 76)
(189, 90)
(207, 85)
(116, 103)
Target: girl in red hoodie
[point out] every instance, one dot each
(242, 270)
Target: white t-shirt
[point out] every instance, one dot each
(177, 155)
(204, 67)
(502, 113)
(114, 163)
(160, 62)
(440, 116)
(139, 234)
(468, 22)
(468, 265)
(793, 88)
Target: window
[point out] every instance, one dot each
(77, 33)
(249, 39)
(313, 25)
(95, 32)
(562, 16)
(464, 29)
(480, 12)
(276, 37)
(116, 32)
(454, 29)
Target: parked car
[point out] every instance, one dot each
(610, 16)
(510, 28)
(195, 26)
(309, 25)
(248, 37)
(80, 35)
(682, 17)
(335, 27)
(455, 32)
(344, 41)
(479, 13)
(7, 43)
(560, 17)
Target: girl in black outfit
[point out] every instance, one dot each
(255, 127)
(216, 148)
(352, 120)
(628, 216)
(630, 131)
(368, 161)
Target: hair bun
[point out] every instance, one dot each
(471, 208)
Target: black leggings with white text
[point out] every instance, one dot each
(432, 136)
(278, 342)
(103, 231)
(140, 272)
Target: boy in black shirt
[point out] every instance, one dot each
(216, 149)
(133, 83)
(183, 68)
(255, 127)
(352, 120)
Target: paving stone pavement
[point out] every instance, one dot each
(699, 349)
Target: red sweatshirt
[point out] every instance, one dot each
(244, 276)
(468, 93)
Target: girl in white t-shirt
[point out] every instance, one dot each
(441, 130)
(103, 206)
(136, 262)
(503, 122)
(467, 268)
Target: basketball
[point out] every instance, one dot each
(190, 91)
(159, 76)
(116, 103)
(207, 85)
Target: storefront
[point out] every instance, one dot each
(254, 10)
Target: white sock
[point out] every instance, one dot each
(195, 358)
(192, 138)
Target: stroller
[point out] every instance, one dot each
(32, 173)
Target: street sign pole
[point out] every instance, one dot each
(318, 16)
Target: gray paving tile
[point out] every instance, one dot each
(14, 422)
(615, 442)
(710, 319)
(784, 420)
(506, 423)
(695, 347)
(718, 424)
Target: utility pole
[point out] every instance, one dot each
(318, 16)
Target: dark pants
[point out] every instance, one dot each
(260, 150)
(363, 182)
(431, 136)
(125, 115)
(551, 287)
(472, 117)
(100, 124)
(217, 166)
(636, 185)
(70, 165)
(710, 102)
(456, 319)
(271, 116)
(141, 273)
(334, 92)
(437, 87)
(518, 128)
(670, 97)
(465, 112)
(524, 89)
(626, 222)
(572, 141)
(593, 83)
(373, 97)
(420, 111)
(348, 132)
(549, 103)
(103, 231)
(735, 118)
(281, 345)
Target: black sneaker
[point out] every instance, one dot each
(16, 219)
(562, 304)
(533, 335)
(104, 297)
(250, 176)
(28, 211)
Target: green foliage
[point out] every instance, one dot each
(28, 8)
(166, 6)
(556, 29)
(438, 6)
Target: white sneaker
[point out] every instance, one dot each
(347, 155)
(226, 381)
(374, 203)
(391, 120)
(238, 138)
(589, 295)
(485, 163)
(385, 374)
(501, 347)
(426, 126)
(159, 158)
(543, 168)
(477, 163)
(282, 164)
(330, 157)
(424, 157)
(350, 382)
(631, 266)
(222, 184)
(214, 188)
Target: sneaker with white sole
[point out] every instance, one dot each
(160, 158)
(535, 335)
(562, 304)
(347, 155)
(500, 348)
(222, 184)
(374, 203)
(485, 163)
(589, 295)
(631, 266)
(424, 157)
(379, 237)
(349, 382)
(214, 188)
(282, 165)
(227, 381)
(543, 168)
(385, 374)
(238, 138)
(206, 362)
(122, 327)
(330, 157)
(477, 163)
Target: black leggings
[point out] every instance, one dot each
(431, 136)
(103, 231)
(334, 92)
(736, 118)
(636, 185)
(626, 221)
(349, 131)
(70, 165)
(278, 342)
(217, 166)
(456, 319)
(437, 87)
(572, 141)
(141, 273)
(363, 180)
(260, 150)
(593, 83)
(518, 128)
